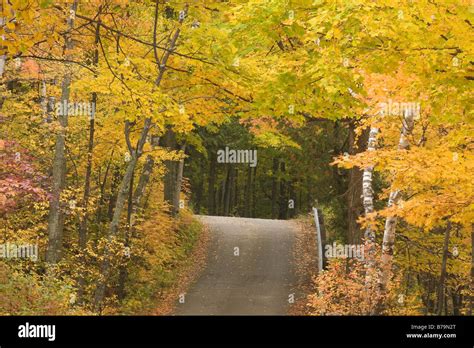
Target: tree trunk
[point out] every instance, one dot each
(254, 192)
(171, 175)
(131, 214)
(87, 184)
(123, 273)
(442, 277)
(355, 207)
(227, 190)
(222, 196)
(276, 165)
(337, 175)
(367, 190)
(235, 193)
(211, 189)
(170, 178)
(368, 203)
(122, 196)
(90, 148)
(100, 203)
(47, 103)
(248, 193)
(232, 190)
(134, 204)
(457, 302)
(198, 199)
(113, 193)
(142, 183)
(87, 181)
(56, 218)
(119, 205)
(283, 211)
(391, 222)
(291, 195)
(178, 182)
(218, 199)
(125, 184)
(105, 267)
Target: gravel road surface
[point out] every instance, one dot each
(249, 269)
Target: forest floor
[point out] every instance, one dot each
(250, 269)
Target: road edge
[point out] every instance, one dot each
(305, 265)
(188, 273)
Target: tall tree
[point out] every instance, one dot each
(56, 215)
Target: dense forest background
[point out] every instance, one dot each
(287, 181)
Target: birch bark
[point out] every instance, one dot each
(367, 190)
(368, 203)
(394, 198)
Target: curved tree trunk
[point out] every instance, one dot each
(119, 205)
(142, 183)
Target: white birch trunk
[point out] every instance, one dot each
(367, 190)
(368, 203)
(391, 222)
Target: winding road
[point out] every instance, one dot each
(249, 269)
